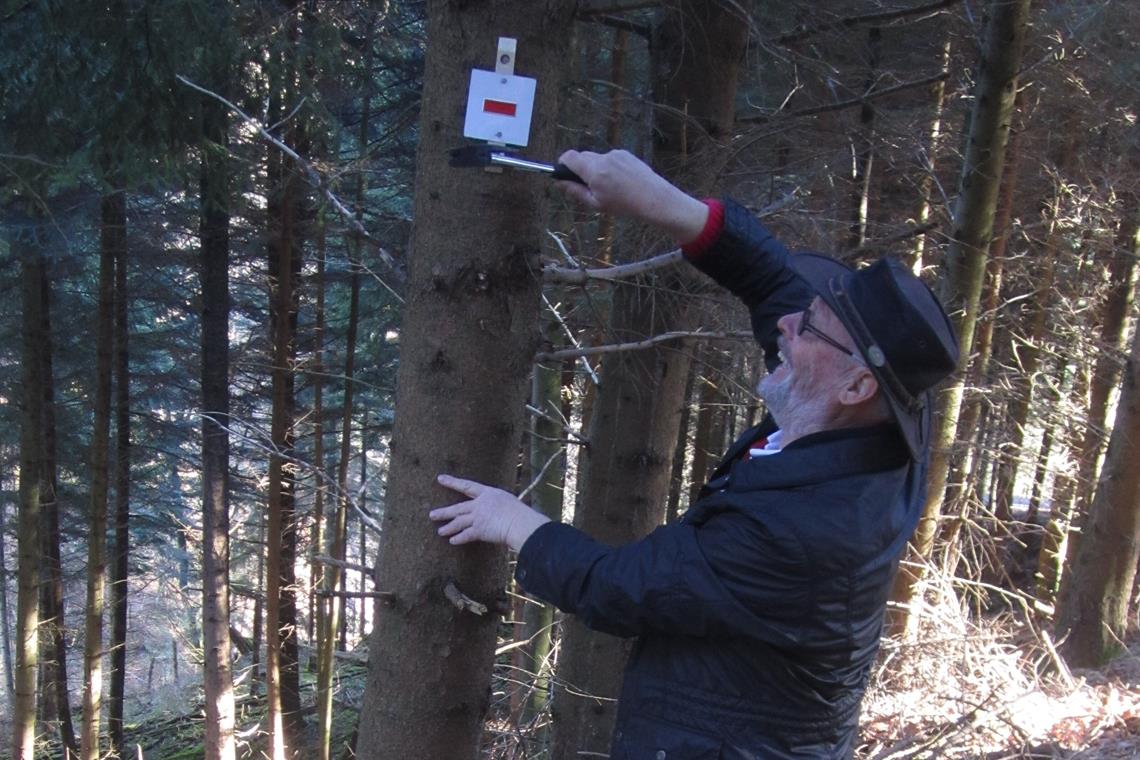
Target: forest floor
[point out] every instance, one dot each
(991, 691)
(998, 690)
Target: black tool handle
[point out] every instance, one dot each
(561, 172)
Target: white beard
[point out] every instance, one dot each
(790, 402)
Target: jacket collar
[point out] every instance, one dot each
(814, 458)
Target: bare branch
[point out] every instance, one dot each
(851, 103)
(870, 18)
(614, 348)
(462, 601)
(567, 276)
(314, 177)
(541, 473)
(574, 436)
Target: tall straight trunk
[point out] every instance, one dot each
(1122, 271)
(979, 371)
(317, 606)
(677, 477)
(966, 256)
(1027, 352)
(54, 693)
(112, 245)
(547, 456)
(930, 160)
(338, 528)
(28, 521)
(214, 233)
(5, 629)
(430, 662)
(282, 675)
(863, 148)
(624, 474)
(362, 606)
(1092, 614)
(1027, 358)
(119, 567)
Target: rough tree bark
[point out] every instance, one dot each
(472, 294)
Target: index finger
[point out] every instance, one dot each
(468, 488)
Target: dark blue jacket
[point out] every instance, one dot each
(758, 614)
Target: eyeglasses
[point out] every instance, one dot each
(807, 326)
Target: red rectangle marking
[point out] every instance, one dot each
(500, 107)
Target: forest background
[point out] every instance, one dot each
(229, 232)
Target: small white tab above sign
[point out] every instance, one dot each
(499, 108)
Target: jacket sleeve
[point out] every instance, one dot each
(752, 264)
(727, 576)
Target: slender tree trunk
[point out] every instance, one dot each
(31, 470)
(1114, 311)
(282, 676)
(119, 568)
(317, 606)
(5, 630)
(548, 468)
(54, 691)
(930, 160)
(113, 245)
(863, 148)
(338, 528)
(966, 257)
(430, 663)
(214, 223)
(964, 461)
(1092, 615)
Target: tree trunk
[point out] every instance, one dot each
(624, 474)
(338, 528)
(31, 468)
(54, 692)
(113, 245)
(5, 634)
(863, 149)
(929, 162)
(281, 667)
(1093, 612)
(214, 224)
(1113, 321)
(430, 663)
(966, 256)
(119, 568)
(548, 469)
(317, 606)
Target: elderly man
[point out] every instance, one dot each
(758, 614)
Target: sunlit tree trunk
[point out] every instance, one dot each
(54, 694)
(113, 244)
(1092, 613)
(966, 256)
(28, 521)
(119, 566)
(930, 161)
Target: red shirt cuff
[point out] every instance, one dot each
(695, 248)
